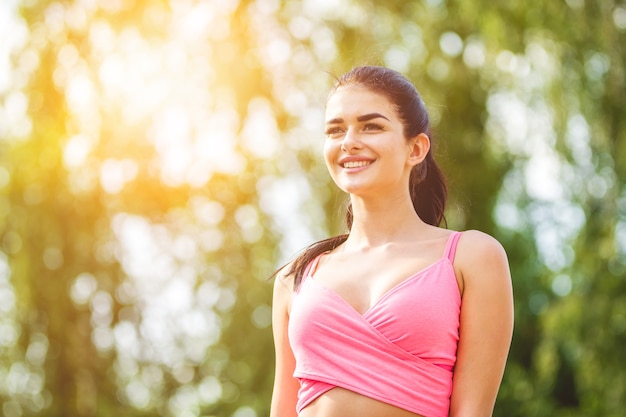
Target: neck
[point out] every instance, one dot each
(377, 222)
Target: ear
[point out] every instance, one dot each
(419, 147)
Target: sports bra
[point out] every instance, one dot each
(401, 351)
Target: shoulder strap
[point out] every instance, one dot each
(451, 246)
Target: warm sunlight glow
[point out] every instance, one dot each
(157, 90)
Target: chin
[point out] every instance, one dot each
(356, 189)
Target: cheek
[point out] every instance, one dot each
(329, 153)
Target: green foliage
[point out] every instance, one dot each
(158, 160)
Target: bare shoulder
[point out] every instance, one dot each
(474, 243)
(283, 287)
(284, 276)
(481, 258)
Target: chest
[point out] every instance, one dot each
(361, 281)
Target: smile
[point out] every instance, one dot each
(356, 164)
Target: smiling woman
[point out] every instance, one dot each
(397, 317)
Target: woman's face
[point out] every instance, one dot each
(365, 150)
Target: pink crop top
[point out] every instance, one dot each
(401, 351)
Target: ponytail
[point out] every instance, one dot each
(429, 191)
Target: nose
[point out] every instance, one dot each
(350, 141)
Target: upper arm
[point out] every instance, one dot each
(285, 393)
(486, 325)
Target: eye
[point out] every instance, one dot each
(334, 131)
(372, 126)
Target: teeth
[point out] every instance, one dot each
(356, 164)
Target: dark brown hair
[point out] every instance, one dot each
(427, 183)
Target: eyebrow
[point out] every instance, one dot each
(363, 118)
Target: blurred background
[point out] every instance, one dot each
(160, 159)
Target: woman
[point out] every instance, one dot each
(398, 317)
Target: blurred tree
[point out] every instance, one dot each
(129, 232)
(159, 159)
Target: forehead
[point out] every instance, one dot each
(352, 101)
